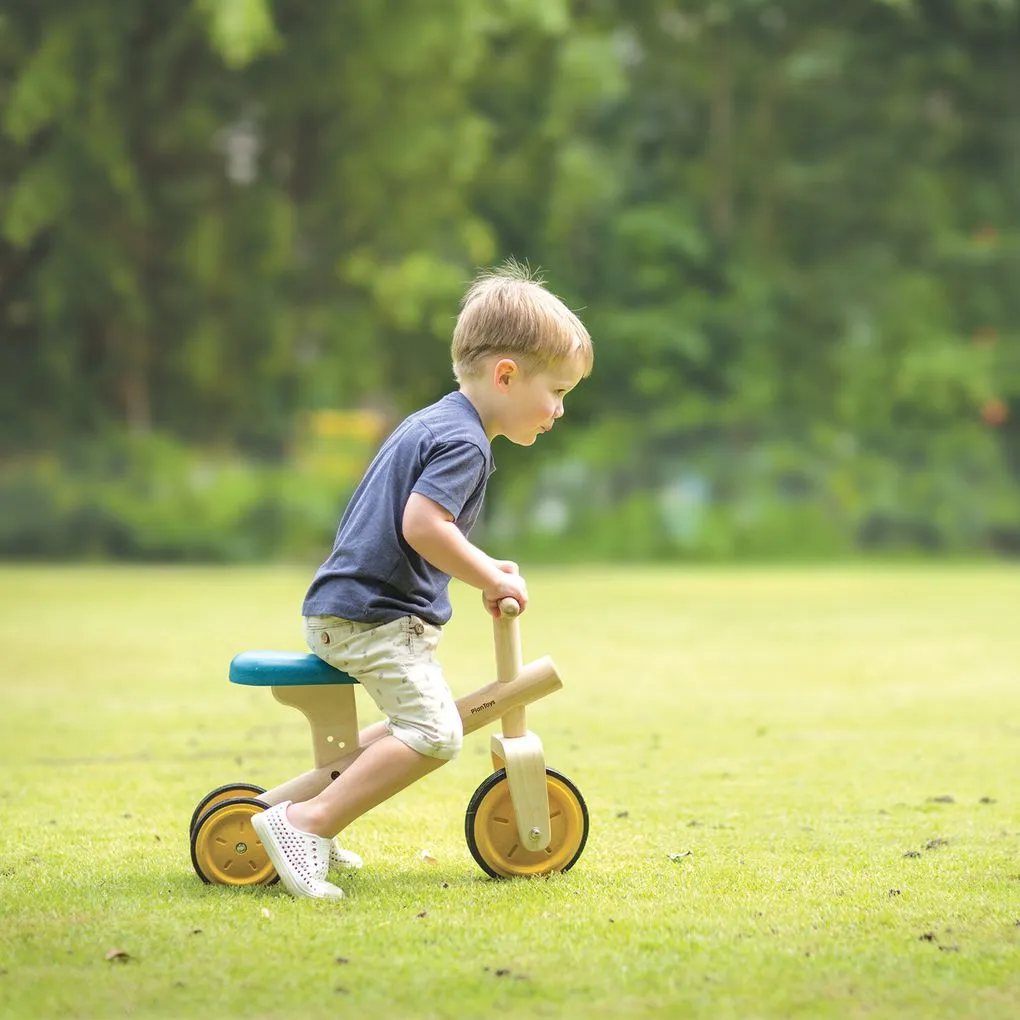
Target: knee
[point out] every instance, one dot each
(449, 736)
(439, 734)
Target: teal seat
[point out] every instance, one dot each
(284, 669)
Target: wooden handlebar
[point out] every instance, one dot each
(508, 660)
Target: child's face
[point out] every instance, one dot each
(535, 399)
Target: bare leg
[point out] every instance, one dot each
(385, 767)
(370, 734)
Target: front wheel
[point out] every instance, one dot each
(491, 828)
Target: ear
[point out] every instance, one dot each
(503, 372)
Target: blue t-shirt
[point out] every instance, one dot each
(372, 574)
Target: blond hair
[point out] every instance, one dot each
(508, 311)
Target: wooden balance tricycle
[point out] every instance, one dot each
(524, 819)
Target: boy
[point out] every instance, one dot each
(376, 607)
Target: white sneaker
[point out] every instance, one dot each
(301, 859)
(341, 858)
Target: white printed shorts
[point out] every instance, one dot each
(395, 662)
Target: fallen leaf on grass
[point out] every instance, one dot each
(266, 912)
(507, 972)
(424, 913)
(680, 856)
(117, 954)
(934, 844)
(426, 856)
(944, 798)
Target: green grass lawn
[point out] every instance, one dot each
(802, 784)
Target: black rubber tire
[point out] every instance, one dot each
(222, 793)
(577, 834)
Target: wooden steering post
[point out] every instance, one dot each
(517, 749)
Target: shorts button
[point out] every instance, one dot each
(418, 627)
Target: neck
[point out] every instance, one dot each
(477, 395)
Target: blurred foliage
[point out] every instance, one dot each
(792, 227)
(148, 497)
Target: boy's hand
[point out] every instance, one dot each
(509, 585)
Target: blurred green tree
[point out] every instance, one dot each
(214, 214)
(790, 225)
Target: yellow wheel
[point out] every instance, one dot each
(226, 850)
(491, 828)
(222, 793)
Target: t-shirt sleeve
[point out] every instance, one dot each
(451, 474)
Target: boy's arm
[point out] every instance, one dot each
(430, 531)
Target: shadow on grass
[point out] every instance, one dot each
(380, 883)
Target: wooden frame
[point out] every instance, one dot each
(332, 716)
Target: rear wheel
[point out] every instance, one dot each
(222, 793)
(226, 850)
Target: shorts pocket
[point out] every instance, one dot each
(422, 638)
(324, 632)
